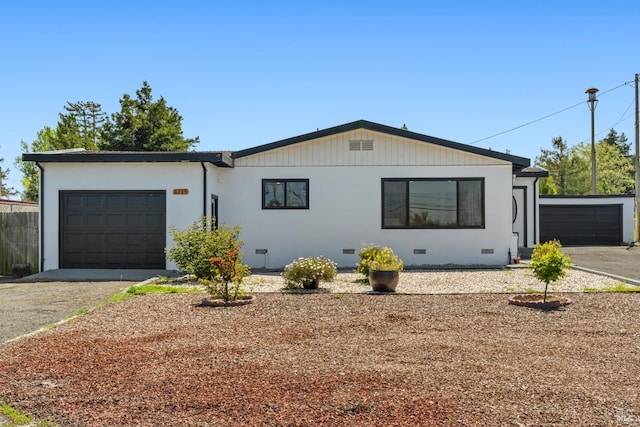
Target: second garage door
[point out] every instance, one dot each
(112, 229)
(581, 225)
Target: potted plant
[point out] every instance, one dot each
(384, 270)
(548, 264)
(308, 272)
(366, 254)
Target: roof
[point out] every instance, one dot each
(225, 158)
(218, 158)
(518, 162)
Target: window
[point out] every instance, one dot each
(285, 194)
(433, 203)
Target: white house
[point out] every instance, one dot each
(329, 192)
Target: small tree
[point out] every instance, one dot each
(548, 263)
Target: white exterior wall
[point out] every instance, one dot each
(345, 213)
(182, 210)
(627, 203)
(345, 191)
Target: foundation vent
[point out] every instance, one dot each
(419, 251)
(261, 251)
(349, 251)
(486, 251)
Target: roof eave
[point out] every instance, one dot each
(364, 124)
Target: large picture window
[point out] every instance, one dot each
(433, 203)
(285, 194)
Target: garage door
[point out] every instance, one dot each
(581, 225)
(112, 229)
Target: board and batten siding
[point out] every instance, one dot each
(388, 150)
(345, 202)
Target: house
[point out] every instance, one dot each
(329, 192)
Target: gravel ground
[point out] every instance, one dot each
(507, 280)
(459, 356)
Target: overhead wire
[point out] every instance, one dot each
(549, 115)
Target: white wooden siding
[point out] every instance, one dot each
(388, 150)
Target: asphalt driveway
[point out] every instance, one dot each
(26, 307)
(616, 261)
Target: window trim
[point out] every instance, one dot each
(285, 181)
(433, 227)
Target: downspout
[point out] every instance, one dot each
(535, 211)
(204, 189)
(41, 200)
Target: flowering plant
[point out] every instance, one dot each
(386, 260)
(304, 271)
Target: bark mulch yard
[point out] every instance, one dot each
(334, 360)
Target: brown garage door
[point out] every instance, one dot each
(581, 225)
(112, 229)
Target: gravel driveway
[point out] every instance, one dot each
(26, 307)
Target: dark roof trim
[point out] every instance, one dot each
(587, 196)
(364, 124)
(217, 158)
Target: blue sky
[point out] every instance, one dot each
(246, 73)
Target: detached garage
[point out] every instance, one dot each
(112, 229)
(586, 220)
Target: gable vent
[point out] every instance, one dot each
(361, 145)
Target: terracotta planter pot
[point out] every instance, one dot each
(247, 299)
(537, 301)
(384, 281)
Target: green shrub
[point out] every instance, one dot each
(366, 254)
(304, 270)
(548, 263)
(386, 260)
(213, 256)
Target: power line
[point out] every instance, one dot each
(547, 116)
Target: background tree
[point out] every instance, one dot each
(570, 168)
(144, 125)
(5, 191)
(558, 162)
(619, 141)
(46, 140)
(614, 171)
(86, 119)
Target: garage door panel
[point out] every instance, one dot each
(581, 225)
(113, 229)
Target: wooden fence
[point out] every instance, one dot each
(18, 241)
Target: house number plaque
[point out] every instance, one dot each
(180, 191)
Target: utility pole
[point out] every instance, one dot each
(637, 167)
(592, 106)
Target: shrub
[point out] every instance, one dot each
(229, 271)
(305, 270)
(366, 254)
(213, 256)
(386, 260)
(548, 263)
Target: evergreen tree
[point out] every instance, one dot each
(144, 125)
(558, 162)
(89, 118)
(5, 190)
(46, 141)
(619, 141)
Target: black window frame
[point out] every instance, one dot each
(407, 182)
(286, 183)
